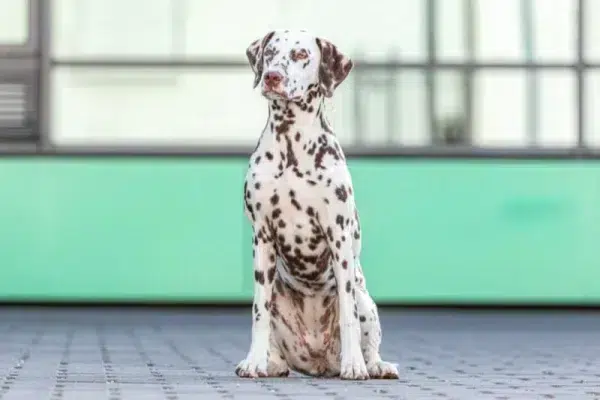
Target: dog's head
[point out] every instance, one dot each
(287, 63)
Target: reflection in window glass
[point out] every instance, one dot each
(451, 30)
(555, 30)
(450, 115)
(592, 104)
(499, 108)
(14, 22)
(498, 32)
(557, 108)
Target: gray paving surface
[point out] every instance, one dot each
(176, 355)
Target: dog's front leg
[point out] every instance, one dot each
(338, 232)
(256, 362)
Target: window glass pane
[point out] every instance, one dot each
(117, 28)
(451, 30)
(592, 30)
(411, 109)
(498, 30)
(392, 108)
(14, 22)
(149, 107)
(411, 125)
(592, 104)
(450, 112)
(373, 124)
(499, 108)
(226, 28)
(557, 108)
(555, 30)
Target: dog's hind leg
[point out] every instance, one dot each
(370, 328)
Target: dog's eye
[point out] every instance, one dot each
(299, 54)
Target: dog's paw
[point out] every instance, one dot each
(278, 369)
(252, 367)
(354, 368)
(383, 370)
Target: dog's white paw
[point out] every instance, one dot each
(383, 370)
(253, 367)
(353, 367)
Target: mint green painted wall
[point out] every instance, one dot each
(486, 231)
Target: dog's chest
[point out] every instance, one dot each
(287, 207)
(277, 190)
(288, 204)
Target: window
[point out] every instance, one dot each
(403, 93)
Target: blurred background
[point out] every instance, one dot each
(125, 127)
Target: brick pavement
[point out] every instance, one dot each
(60, 354)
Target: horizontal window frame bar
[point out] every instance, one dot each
(236, 64)
(350, 151)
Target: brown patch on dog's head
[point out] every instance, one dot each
(255, 54)
(334, 67)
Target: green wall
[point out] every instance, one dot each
(173, 229)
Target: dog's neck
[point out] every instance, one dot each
(296, 132)
(306, 117)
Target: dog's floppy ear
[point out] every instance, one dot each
(334, 67)
(254, 52)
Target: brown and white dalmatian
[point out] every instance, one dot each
(312, 312)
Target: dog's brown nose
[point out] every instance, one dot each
(272, 79)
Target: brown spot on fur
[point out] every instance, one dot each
(259, 276)
(341, 193)
(323, 151)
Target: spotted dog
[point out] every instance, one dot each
(312, 312)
